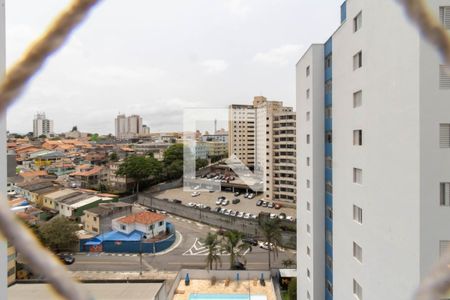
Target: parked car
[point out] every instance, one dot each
(196, 187)
(273, 216)
(266, 245)
(246, 195)
(289, 218)
(240, 214)
(151, 209)
(225, 202)
(232, 213)
(219, 201)
(221, 198)
(238, 266)
(250, 241)
(277, 206)
(236, 201)
(282, 216)
(237, 193)
(270, 205)
(66, 258)
(191, 204)
(246, 216)
(195, 194)
(216, 209)
(252, 216)
(176, 201)
(259, 202)
(227, 212)
(251, 196)
(264, 204)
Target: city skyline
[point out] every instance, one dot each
(237, 56)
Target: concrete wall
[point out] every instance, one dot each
(247, 226)
(166, 186)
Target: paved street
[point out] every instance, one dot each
(246, 205)
(189, 254)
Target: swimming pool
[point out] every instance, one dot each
(226, 297)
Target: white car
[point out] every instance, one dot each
(246, 195)
(273, 216)
(191, 204)
(266, 245)
(253, 216)
(219, 201)
(225, 202)
(246, 216)
(227, 212)
(240, 214)
(195, 194)
(251, 196)
(289, 218)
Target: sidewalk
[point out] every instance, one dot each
(117, 275)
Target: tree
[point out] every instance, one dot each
(42, 136)
(139, 168)
(272, 234)
(59, 234)
(233, 244)
(212, 243)
(173, 153)
(113, 157)
(200, 163)
(74, 128)
(292, 289)
(174, 170)
(287, 263)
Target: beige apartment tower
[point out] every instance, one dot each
(263, 137)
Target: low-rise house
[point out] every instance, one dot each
(88, 178)
(35, 190)
(74, 207)
(115, 182)
(50, 200)
(148, 223)
(99, 219)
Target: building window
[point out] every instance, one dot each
(308, 115)
(328, 162)
(444, 247)
(357, 22)
(308, 183)
(308, 273)
(357, 175)
(328, 86)
(150, 227)
(444, 77)
(123, 227)
(161, 223)
(308, 71)
(308, 295)
(329, 212)
(444, 14)
(308, 161)
(357, 290)
(445, 194)
(308, 251)
(308, 206)
(444, 135)
(329, 137)
(307, 138)
(307, 93)
(308, 228)
(328, 112)
(329, 262)
(357, 60)
(329, 237)
(328, 61)
(357, 99)
(357, 137)
(357, 214)
(329, 187)
(329, 287)
(357, 252)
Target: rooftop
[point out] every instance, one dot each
(144, 217)
(106, 208)
(62, 193)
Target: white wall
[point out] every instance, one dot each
(315, 195)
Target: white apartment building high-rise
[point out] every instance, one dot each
(373, 119)
(263, 136)
(42, 125)
(130, 127)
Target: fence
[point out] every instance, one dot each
(250, 227)
(166, 186)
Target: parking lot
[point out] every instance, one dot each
(210, 198)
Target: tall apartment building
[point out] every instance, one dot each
(374, 132)
(42, 125)
(268, 136)
(130, 127)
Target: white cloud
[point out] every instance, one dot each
(238, 7)
(279, 56)
(214, 65)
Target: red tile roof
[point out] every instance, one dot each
(145, 218)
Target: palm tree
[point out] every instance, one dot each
(232, 243)
(272, 233)
(212, 243)
(288, 263)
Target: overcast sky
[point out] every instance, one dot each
(155, 58)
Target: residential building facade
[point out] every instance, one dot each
(98, 219)
(263, 137)
(130, 127)
(148, 223)
(374, 132)
(42, 125)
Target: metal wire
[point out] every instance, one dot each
(40, 259)
(430, 27)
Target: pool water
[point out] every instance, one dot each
(226, 297)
